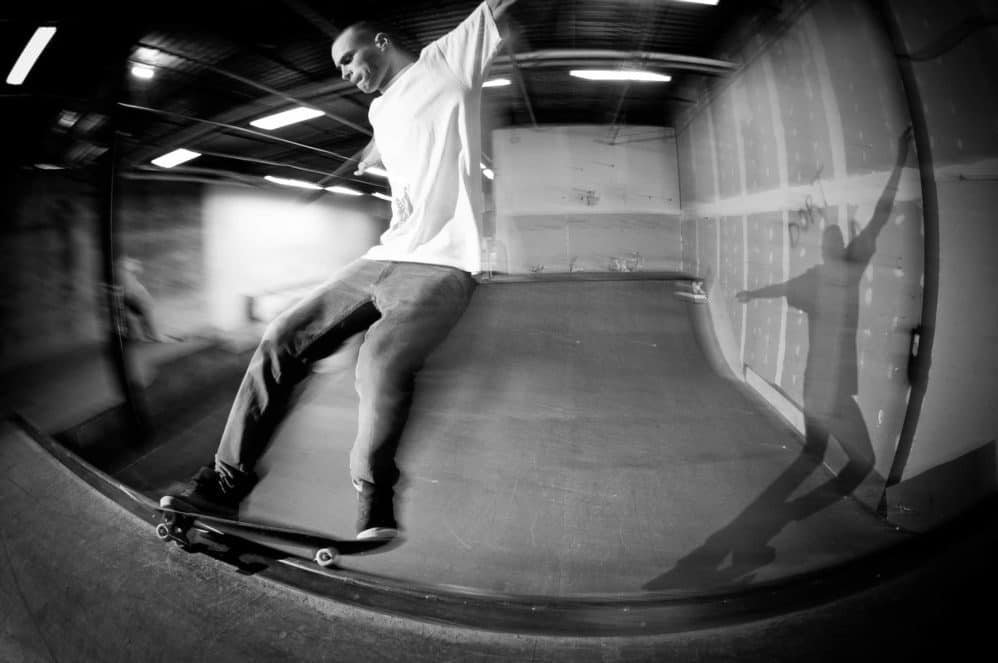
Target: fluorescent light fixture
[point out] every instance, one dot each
(620, 75)
(48, 166)
(344, 190)
(284, 181)
(30, 55)
(68, 118)
(284, 118)
(378, 194)
(701, 2)
(174, 158)
(90, 121)
(376, 170)
(143, 71)
(496, 82)
(488, 173)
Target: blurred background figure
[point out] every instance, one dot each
(140, 314)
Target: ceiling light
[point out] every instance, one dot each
(344, 190)
(701, 2)
(30, 55)
(378, 194)
(284, 181)
(68, 118)
(496, 82)
(174, 158)
(49, 166)
(142, 71)
(620, 75)
(488, 173)
(376, 170)
(284, 118)
(90, 121)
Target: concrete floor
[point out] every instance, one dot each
(556, 452)
(84, 580)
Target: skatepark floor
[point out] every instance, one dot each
(553, 453)
(613, 489)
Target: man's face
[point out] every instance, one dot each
(360, 60)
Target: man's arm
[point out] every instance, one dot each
(766, 292)
(886, 202)
(499, 7)
(862, 247)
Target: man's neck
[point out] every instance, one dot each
(398, 66)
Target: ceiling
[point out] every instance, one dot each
(220, 64)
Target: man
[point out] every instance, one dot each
(139, 302)
(407, 292)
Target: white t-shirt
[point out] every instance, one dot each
(427, 128)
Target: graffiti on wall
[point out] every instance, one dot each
(812, 212)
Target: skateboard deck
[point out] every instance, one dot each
(323, 549)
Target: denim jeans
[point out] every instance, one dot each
(407, 310)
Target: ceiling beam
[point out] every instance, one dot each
(503, 64)
(258, 86)
(243, 178)
(236, 128)
(284, 164)
(573, 57)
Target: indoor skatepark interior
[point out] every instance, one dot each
(724, 390)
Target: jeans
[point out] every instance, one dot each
(407, 310)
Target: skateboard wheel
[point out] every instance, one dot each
(163, 532)
(325, 557)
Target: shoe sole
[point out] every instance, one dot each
(378, 534)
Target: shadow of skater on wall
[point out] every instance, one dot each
(829, 296)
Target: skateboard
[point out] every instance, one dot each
(323, 549)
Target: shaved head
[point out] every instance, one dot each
(368, 55)
(366, 30)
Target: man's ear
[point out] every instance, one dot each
(382, 40)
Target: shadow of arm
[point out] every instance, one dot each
(863, 246)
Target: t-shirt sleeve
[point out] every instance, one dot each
(469, 48)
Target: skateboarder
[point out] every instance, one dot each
(407, 292)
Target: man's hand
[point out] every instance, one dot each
(743, 297)
(369, 156)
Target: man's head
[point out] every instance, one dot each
(367, 55)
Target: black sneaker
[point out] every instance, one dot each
(210, 493)
(375, 514)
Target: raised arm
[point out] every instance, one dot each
(499, 8)
(861, 248)
(886, 202)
